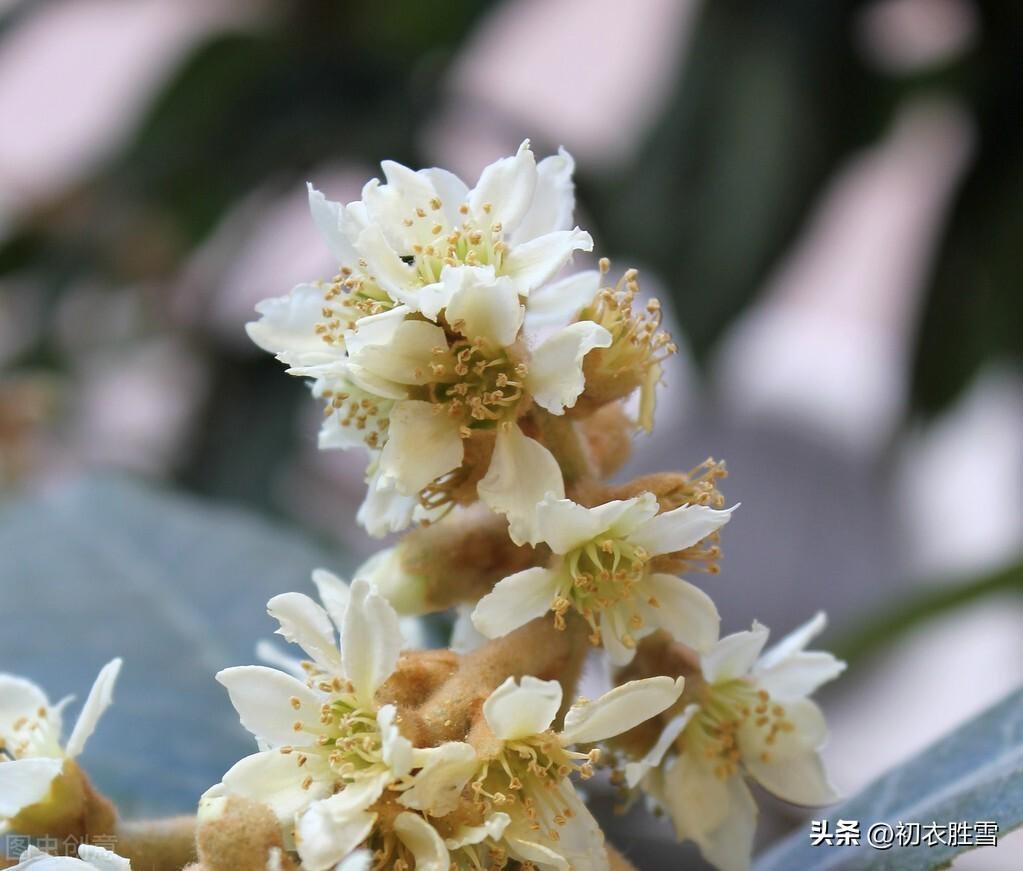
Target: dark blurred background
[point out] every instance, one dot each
(827, 196)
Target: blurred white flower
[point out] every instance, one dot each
(92, 859)
(751, 717)
(31, 753)
(602, 570)
(527, 772)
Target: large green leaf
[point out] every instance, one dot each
(174, 585)
(973, 774)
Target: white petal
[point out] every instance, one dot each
(568, 525)
(287, 327)
(493, 827)
(505, 189)
(555, 376)
(396, 277)
(332, 221)
(680, 528)
(621, 709)
(423, 443)
(325, 839)
(360, 860)
(275, 779)
(103, 860)
(561, 301)
(521, 473)
(635, 771)
(378, 329)
(370, 640)
(515, 600)
(333, 593)
(263, 699)
(18, 698)
(25, 782)
(100, 697)
(540, 855)
(733, 656)
(396, 748)
(423, 841)
(445, 772)
(613, 628)
(481, 306)
(798, 675)
(406, 358)
(795, 641)
(535, 262)
(384, 509)
(519, 710)
(683, 609)
(553, 200)
(453, 192)
(305, 623)
(794, 771)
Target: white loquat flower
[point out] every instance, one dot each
(526, 774)
(751, 718)
(602, 569)
(32, 758)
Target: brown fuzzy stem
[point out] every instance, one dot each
(157, 845)
(563, 439)
(536, 649)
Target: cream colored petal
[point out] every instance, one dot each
(423, 842)
(613, 629)
(423, 443)
(385, 510)
(305, 623)
(559, 302)
(396, 748)
(360, 860)
(790, 766)
(684, 610)
(493, 828)
(265, 701)
(567, 525)
(483, 307)
(396, 277)
(517, 710)
(325, 838)
(25, 782)
(555, 377)
(370, 641)
(795, 642)
(621, 709)
(553, 199)
(522, 472)
(537, 261)
(276, 780)
(333, 593)
(680, 528)
(100, 698)
(103, 860)
(505, 190)
(407, 357)
(451, 190)
(636, 771)
(540, 855)
(287, 328)
(515, 600)
(437, 787)
(798, 675)
(334, 223)
(18, 698)
(734, 655)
